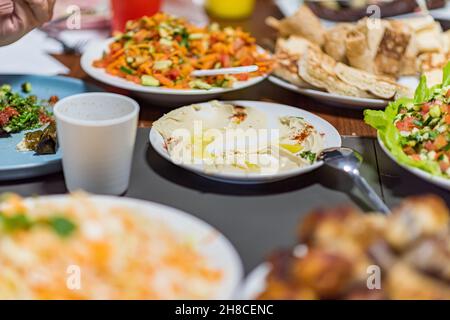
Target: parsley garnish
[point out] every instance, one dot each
(62, 226)
(308, 155)
(21, 222)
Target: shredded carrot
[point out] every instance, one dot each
(169, 49)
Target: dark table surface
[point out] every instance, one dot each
(256, 218)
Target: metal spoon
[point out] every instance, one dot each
(220, 71)
(349, 161)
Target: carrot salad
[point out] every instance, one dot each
(163, 50)
(84, 248)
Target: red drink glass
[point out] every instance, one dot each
(124, 10)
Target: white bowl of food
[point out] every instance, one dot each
(243, 141)
(100, 247)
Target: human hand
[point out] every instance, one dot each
(18, 17)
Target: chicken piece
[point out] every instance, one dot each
(416, 218)
(329, 275)
(279, 283)
(411, 246)
(329, 227)
(307, 229)
(403, 282)
(382, 254)
(344, 231)
(282, 290)
(431, 256)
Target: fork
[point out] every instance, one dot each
(76, 48)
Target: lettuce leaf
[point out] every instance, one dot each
(446, 75)
(383, 121)
(423, 93)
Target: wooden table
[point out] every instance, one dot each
(347, 121)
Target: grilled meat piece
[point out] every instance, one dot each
(411, 247)
(416, 218)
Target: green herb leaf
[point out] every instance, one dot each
(15, 222)
(308, 155)
(62, 226)
(126, 70)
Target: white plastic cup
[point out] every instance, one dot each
(97, 132)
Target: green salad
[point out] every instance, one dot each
(417, 131)
(25, 112)
(22, 112)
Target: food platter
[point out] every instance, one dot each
(215, 253)
(273, 111)
(336, 65)
(414, 132)
(322, 252)
(158, 94)
(18, 165)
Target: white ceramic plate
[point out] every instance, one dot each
(95, 50)
(273, 111)
(342, 101)
(211, 243)
(255, 283)
(439, 181)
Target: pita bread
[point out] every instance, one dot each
(335, 41)
(303, 23)
(317, 70)
(366, 81)
(288, 51)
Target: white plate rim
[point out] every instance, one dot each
(439, 181)
(95, 49)
(255, 282)
(347, 101)
(156, 142)
(179, 220)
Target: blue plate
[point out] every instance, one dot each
(19, 165)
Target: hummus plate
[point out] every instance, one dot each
(283, 121)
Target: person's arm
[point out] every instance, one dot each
(18, 17)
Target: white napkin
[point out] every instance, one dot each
(29, 56)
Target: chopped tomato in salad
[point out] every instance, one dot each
(425, 130)
(19, 112)
(416, 130)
